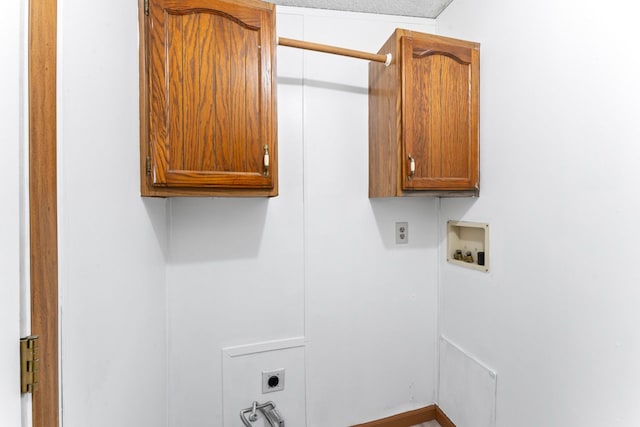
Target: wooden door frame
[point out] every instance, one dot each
(43, 218)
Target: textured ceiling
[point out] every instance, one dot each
(421, 8)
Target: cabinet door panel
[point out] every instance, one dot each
(211, 94)
(438, 111)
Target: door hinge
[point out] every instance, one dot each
(29, 364)
(148, 166)
(146, 7)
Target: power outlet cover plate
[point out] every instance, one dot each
(272, 381)
(402, 232)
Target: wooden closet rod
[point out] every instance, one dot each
(378, 57)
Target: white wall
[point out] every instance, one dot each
(370, 311)
(557, 317)
(112, 267)
(10, 124)
(318, 261)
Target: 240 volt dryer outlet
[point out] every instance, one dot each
(272, 381)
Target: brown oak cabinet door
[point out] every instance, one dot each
(440, 137)
(211, 97)
(424, 117)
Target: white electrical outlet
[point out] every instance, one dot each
(272, 381)
(402, 232)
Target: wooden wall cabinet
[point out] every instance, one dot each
(423, 117)
(208, 100)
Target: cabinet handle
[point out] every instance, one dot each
(412, 167)
(266, 161)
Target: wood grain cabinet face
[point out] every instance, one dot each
(210, 98)
(424, 118)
